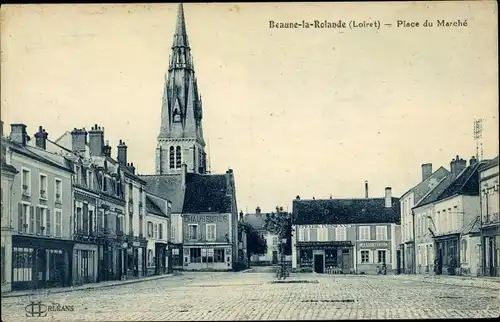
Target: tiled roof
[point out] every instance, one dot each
(433, 194)
(422, 188)
(152, 207)
(206, 193)
(489, 164)
(345, 211)
(168, 187)
(467, 183)
(255, 220)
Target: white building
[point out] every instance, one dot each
(257, 221)
(490, 218)
(407, 202)
(158, 234)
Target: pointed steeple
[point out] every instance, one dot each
(180, 36)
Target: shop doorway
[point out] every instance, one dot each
(319, 263)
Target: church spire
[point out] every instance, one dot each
(180, 36)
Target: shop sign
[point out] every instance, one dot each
(373, 245)
(193, 219)
(136, 244)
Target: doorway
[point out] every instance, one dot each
(275, 256)
(319, 263)
(345, 261)
(491, 257)
(398, 261)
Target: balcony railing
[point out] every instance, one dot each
(26, 190)
(58, 199)
(491, 218)
(43, 194)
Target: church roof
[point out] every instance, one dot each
(168, 187)
(345, 211)
(206, 193)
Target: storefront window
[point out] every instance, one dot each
(331, 258)
(22, 264)
(365, 256)
(195, 255)
(381, 256)
(306, 257)
(219, 255)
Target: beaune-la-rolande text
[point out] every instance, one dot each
(322, 24)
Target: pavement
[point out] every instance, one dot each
(224, 296)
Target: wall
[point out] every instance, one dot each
(470, 250)
(490, 185)
(406, 204)
(37, 168)
(176, 232)
(424, 243)
(138, 206)
(6, 236)
(154, 238)
(221, 222)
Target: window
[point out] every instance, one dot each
(156, 231)
(178, 157)
(219, 255)
(150, 229)
(76, 176)
(210, 231)
(463, 248)
(130, 191)
(193, 231)
(160, 231)
(58, 191)
(381, 256)
(340, 233)
(365, 256)
(22, 264)
(195, 255)
(91, 221)
(26, 186)
(172, 157)
(23, 218)
(43, 186)
(140, 225)
(172, 233)
(40, 212)
(58, 231)
(79, 219)
(90, 180)
(275, 240)
(381, 232)
(364, 233)
(130, 224)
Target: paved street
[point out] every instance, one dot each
(252, 296)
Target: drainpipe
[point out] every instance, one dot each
(414, 268)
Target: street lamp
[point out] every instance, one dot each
(283, 244)
(124, 246)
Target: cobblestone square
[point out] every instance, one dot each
(253, 296)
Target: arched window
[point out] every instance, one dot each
(172, 157)
(178, 157)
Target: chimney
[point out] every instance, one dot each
(122, 153)
(41, 138)
(131, 167)
(388, 197)
(472, 161)
(18, 133)
(297, 198)
(241, 215)
(366, 189)
(457, 165)
(96, 140)
(426, 170)
(257, 211)
(106, 150)
(78, 140)
(229, 181)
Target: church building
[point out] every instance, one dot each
(204, 211)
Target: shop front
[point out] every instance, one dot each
(374, 257)
(177, 255)
(491, 256)
(85, 264)
(323, 256)
(41, 262)
(447, 257)
(209, 257)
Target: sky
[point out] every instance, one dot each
(309, 112)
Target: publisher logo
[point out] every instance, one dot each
(38, 309)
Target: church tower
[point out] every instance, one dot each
(181, 133)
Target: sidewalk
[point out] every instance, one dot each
(47, 291)
(456, 280)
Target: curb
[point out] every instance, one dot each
(90, 287)
(247, 270)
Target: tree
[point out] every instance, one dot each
(280, 223)
(256, 244)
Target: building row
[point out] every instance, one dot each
(450, 220)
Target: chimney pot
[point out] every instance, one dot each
(426, 170)
(41, 138)
(366, 188)
(18, 133)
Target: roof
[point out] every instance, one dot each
(206, 193)
(422, 188)
(472, 227)
(8, 168)
(435, 192)
(41, 155)
(153, 208)
(345, 211)
(467, 183)
(168, 187)
(257, 221)
(489, 164)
